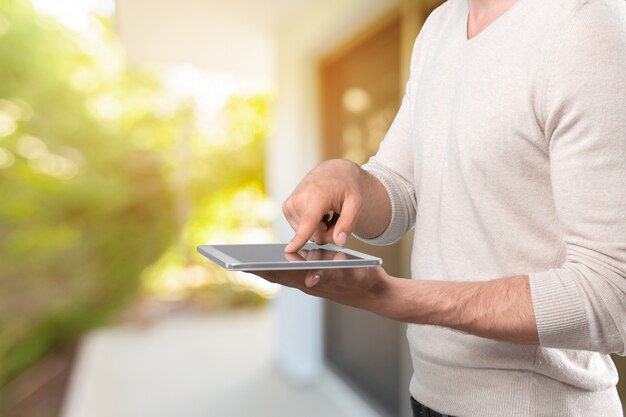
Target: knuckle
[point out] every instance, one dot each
(298, 199)
(356, 197)
(319, 236)
(289, 208)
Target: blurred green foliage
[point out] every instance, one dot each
(83, 208)
(99, 179)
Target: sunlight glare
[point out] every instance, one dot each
(209, 91)
(106, 107)
(7, 124)
(31, 147)
(55, 166)
(4, 25)
(84, 80)
(76, 15)
(6, 158)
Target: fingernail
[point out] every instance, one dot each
(313, 281)
(341, 239)
(288, 246)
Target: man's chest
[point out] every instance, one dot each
(477, 112)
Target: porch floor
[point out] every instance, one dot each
(217, 365)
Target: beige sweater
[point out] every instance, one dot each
(508, 157)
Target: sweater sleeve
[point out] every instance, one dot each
(393, 167)
(581, 304)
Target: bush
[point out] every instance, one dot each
(103, 173)
(84, 201)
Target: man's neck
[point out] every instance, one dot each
(483, 12)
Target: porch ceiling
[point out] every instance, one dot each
(233, 36)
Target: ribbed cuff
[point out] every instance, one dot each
(559, 309)
(396, 228)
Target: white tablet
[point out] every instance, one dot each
(272, 257)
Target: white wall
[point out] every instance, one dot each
(294, 149)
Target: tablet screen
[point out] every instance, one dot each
(276, 253)
(273, 257)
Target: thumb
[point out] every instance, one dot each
(346, 222)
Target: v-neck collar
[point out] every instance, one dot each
(503, 18)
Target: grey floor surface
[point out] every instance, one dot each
(219, 365)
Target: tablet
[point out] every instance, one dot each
(272, 257)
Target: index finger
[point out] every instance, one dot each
(306, 228)
(294, 257)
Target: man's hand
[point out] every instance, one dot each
(364, 288)
(344, 188)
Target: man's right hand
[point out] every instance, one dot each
(336, 185)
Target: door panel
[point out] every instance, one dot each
(361, 93)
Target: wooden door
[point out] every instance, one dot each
(361, 93)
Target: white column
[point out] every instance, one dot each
(294, 148)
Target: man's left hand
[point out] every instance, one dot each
(364, 288)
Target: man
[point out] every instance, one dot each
(508, 157)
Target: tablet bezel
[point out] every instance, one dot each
(217, 254)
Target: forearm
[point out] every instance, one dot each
(500, 309)
(375, 214)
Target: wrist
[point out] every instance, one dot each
(375, 216)
(397, 301)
